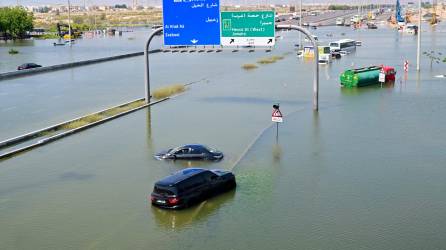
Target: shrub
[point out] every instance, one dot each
(249, 66)
(13, 51)
(167, 91)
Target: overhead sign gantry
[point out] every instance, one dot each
(247, 28)
(191, 22)
(200, 23)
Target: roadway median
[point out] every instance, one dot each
(29, 72)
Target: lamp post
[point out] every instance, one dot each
(316, 61)
(300, 24)
(419, 36)
(146, 59)
(69, 21)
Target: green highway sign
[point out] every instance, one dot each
(247, 28)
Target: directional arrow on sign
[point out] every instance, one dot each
(194, 41)
(270, 41)
(232, 41)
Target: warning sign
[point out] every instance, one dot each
(277, 115)
(382, 77)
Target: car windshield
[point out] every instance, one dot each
(212, 150)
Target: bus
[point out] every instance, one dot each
(344, 44)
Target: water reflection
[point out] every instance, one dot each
(366, 89)
(149, 128)
(247, 99)
(277, 153)
(19, 43)
(71, 176)
(75, 176)
(315, 129)
(180, 164)
(182, 219)
(418, 80)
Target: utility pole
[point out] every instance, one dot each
(316, 62)
(69, 20)
(300, 24)
(135, 4)
(419, 36)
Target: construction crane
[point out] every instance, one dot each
(434, 12)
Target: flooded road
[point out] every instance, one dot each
(366, 173)
(43, 52)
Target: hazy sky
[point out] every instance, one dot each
(158, 2)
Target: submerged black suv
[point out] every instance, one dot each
(189, 186)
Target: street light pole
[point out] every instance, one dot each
(300, 24)
(146, 58)
(419, 36)
(69, 20)
(316, 61)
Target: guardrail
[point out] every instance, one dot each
(28, 72)
(35, 134)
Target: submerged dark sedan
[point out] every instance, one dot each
(28, 66)
(191, 152)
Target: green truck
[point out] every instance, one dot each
(360, 77)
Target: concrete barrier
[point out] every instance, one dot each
(33, 134)
(28, 72)
(14, 141)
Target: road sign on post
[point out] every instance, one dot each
(191, 22)
(382, 76)
(406, 66)
(247, 28)
(277, 115)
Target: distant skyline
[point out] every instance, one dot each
(159, 2)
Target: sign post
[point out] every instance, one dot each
(382, 76)
(277, 117)
(187, 22)
(406, 66)
(247, 28)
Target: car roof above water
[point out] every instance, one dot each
(180, 176)
(194, 146)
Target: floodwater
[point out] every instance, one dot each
(367, 172)
(43, 52)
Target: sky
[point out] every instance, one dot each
(158, 2)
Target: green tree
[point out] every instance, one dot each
(3, 19)
(15, 22)
(339, 7)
